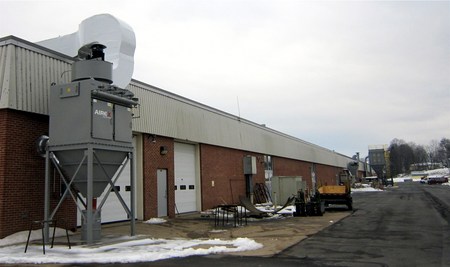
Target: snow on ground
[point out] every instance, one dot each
(264, 207)
(270, 208)
(21, 237)
(155, 221)
(401, 179)
(287, 210)
(436, 172)
(122, 250)
(366, 188)
(439, 172)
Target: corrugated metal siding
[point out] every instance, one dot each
(166, 114)
(26, 76)
(27, 70)
(5, 74)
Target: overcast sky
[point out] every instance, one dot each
(341, 74)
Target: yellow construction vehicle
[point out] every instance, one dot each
(338, 194)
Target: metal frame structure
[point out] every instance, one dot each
(90, 158)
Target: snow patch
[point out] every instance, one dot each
(437, 172)
(155, 221)
(218, 231)
(365, 188)
(127, 251)
(21, 237)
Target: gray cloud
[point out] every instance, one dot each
(343, 75)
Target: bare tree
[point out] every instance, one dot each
(420, 154)
(444, 151)
(433, 151)
(403, 155)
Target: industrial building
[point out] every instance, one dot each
(189, 157)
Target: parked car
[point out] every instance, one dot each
(437, 179)
(424, 180)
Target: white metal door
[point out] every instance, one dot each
(185, 178)
(162, 192)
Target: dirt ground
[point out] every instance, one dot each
(274, 234)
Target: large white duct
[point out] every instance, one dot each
(116, 35)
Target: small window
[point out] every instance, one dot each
(182, 187)
(175, 187)
(191, 187)
(117, 188)
(128, 188)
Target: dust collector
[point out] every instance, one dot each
(90, 135)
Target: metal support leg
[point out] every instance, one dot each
(46, 197)
(43, 243)
(90, 197)
(28, 239)
(67, 235)
(42, 226)
(54, 231)
(133, 195)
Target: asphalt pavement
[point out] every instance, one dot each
(405, 225)
(408, 225)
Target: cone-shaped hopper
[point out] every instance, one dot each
(378, 170)
(105, 165)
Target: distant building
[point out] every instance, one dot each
(425, 166)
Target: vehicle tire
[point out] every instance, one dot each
(322, 208)
(350, 206)
(318, 210)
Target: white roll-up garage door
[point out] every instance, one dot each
(185, 178)
(112, 210)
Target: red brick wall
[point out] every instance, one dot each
(225, 167)
(152, 161)
(326, 175)
(22, 173)
(291, 167)
(3, 161)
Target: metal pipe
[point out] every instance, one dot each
(113, 98)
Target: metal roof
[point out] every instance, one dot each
(27, 70)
